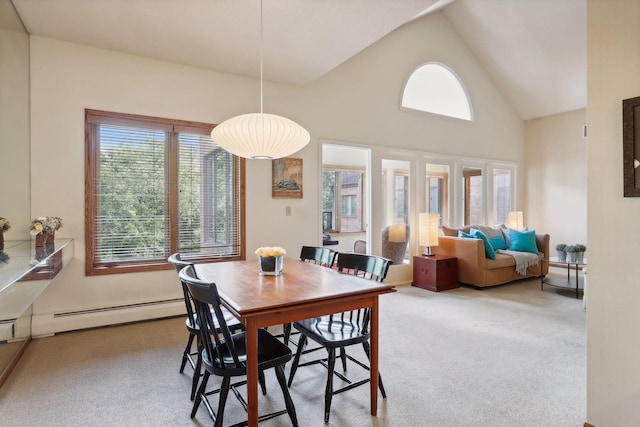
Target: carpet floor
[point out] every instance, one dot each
(508, 356)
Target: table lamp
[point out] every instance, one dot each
(398, 233)
(428, 235)
(515, 220)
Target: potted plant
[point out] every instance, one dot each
(571, 252)
(580, 250)
(562, 255)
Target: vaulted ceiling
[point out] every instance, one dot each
(534, 50)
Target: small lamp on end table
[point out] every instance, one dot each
(433, 272)
(428, 228)
(515, 220)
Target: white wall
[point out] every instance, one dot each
(613, 349)
(359, 101)
(556, 177)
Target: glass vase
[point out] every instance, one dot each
(270, 265)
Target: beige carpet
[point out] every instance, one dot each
(510, 356)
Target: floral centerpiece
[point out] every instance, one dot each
(270, 260)
(4, 226)
(45, 225)
(44, 228)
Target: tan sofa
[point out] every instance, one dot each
(474, 268)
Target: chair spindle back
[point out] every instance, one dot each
(207, 300)
(322, 256)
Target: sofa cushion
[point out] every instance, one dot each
(522, 241)
(453, 232)
(488, 249)
(488, 231)
(464, 235)
(501, 261)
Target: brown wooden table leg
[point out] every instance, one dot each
(374, 357)
(252, 371)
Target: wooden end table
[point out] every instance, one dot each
(435, 272)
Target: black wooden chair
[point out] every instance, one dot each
(341, 330)
(193, 327)
(317, 255)
(224, 353)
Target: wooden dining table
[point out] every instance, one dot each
(302, 291)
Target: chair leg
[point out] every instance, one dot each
(343, 356)
(367, 349)
(328, 393)
(187, 350)
(263, 385)
(296, 359)
(224, 392)
(201, 391)
(291, 409)
(286, 333)
(196, 372)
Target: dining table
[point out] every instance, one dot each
(303, 290)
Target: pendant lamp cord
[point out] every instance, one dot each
(261, 60)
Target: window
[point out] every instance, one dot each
(501, 195)
(401, 200)
(347, 196)
(157, 186)
(473, 196)
(434, 88)
(437, 191)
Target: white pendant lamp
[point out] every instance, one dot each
(260, 135)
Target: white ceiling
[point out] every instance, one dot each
(534, 50)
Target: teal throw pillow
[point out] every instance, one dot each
(488, 249)
(498, 243)
(523, 241)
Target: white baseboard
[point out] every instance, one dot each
(47, 324)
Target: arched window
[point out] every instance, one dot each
(434, 88)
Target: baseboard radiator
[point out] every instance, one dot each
(47, 324)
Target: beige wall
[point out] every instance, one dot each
(14, 132)
(358, 102)
(613, 349)
(556, 177)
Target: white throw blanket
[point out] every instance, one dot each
(523, 260)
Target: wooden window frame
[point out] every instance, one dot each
(96, 117)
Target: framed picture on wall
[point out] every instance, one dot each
(286, 178)
(631, 146)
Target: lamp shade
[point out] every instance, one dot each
(428, 233)
(515, 220)
(398, 233)
(260, 136)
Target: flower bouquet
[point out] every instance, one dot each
(270, 260)
(44, 228)
(4, 226)
(45, 225)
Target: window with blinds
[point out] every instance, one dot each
(157, 186)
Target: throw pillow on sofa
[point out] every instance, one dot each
(488, 249)
(522, 241)
(498, 242)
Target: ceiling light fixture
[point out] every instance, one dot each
(260, 135)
